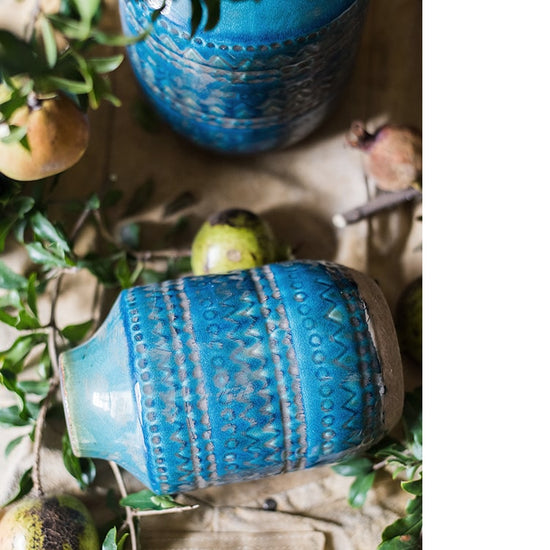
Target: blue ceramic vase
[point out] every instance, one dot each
(213, 379)
(263, 78)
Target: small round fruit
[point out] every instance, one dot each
(408, 320)
(59, 522)
(57, 133)
(230, 240)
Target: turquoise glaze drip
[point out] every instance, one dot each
(265, 77)
(223, 378)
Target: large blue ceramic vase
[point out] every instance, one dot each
(222, 378)
(263, 78)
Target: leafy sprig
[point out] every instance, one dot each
(38, 339)
(402, 457)
(66, 53)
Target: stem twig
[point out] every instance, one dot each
(127, 509)
(379, 203)
(40, 421)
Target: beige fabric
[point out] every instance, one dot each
(298, 190)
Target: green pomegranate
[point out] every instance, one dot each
(408, 320)
(59, 522)
(230, 240)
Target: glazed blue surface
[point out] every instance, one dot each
(263, 78)
(234, 377)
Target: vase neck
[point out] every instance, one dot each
(99, 398)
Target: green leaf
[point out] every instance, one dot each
(67, 85)
(414, 487)
(27, 321)
(25, 486)
(405, 542)
(8, 379)
(82, 469)
(44, 366)
(410, 525)
(10, 299)
(10, 280)
(48, 38)
(44, 229)
(8, 319)
(17, 56)
(101, 90)
(100, 267)
(93, 203)
(412, 416)
(16, 101)
(72, 29)
(13, 444)
(12, 359)
(353, 467)
(110, 542)
(31, 294)
(125, 276)
(87, 9)
(359, 489)
(104, 65)
(16, 134)
(5, 227)
(10, 417)
(38, 254)
(36, 387)
(75, 333)
(147, 500)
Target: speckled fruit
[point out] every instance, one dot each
(59, 522)
(232, 239)
(408, 320)
(57, 133)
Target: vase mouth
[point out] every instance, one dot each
(272, 20)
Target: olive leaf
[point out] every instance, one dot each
(359, 489)
(87, 9)
(12, 445)
(147, 500)
(82, 469)
(405, 532)
(45, 229)
(110, 541)
(76, 333)
(48, 39)
(40, 255)
(10, 417)
(9, 279)
(354, 467)
(24, 487)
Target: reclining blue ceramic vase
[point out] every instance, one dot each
(263, 78)
(213, 379)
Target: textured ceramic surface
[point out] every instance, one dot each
(263, 78)
(213, 379)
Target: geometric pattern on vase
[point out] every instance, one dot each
(243, 97)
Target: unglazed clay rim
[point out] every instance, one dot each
(383, 332)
